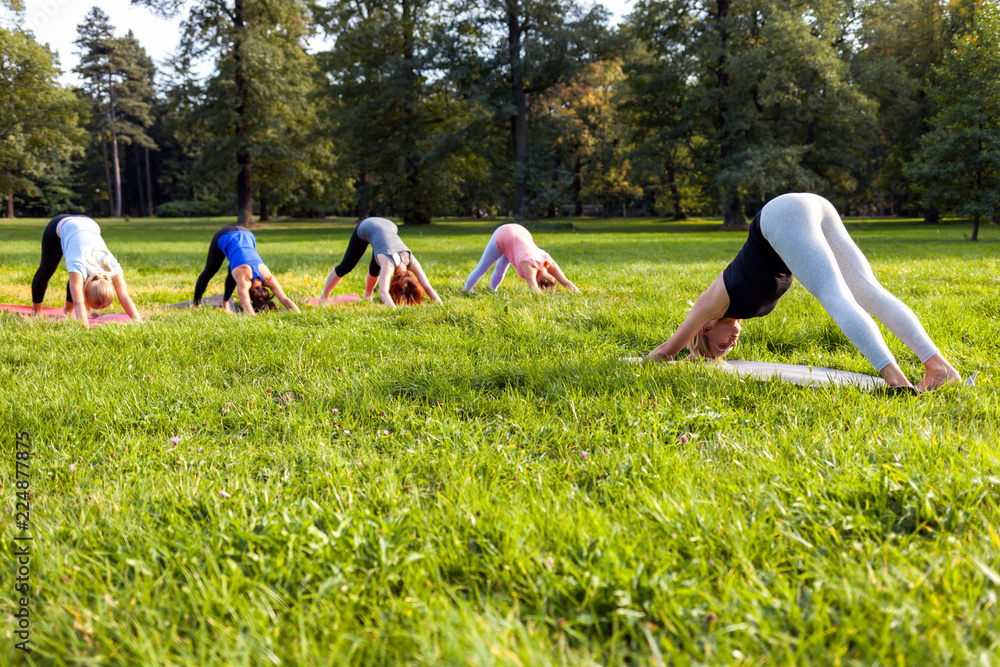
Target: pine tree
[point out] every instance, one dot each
(117, 75)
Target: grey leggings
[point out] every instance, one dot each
(492, 255)
(808, 234)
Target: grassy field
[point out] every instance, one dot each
(484, 482)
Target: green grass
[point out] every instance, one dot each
(483, 482)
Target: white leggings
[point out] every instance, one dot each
(808, 234)
(492, 255)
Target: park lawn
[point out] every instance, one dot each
(485, 482)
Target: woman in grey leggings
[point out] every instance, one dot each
(802, 235)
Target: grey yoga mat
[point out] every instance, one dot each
(213, 301)
(812, 376)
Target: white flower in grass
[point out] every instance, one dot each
(72, 467)
(223, 494)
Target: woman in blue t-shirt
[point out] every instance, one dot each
(247, 273)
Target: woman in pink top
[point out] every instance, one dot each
(512, 244)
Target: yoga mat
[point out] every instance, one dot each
(340, 298)
(57, 313)
(216, 301)
(810, 376)
(212, 301)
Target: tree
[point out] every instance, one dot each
(900, 42)
(117, 75)
(588, 135)
(958, 164)
(396, 118)
(38, 118)
(663, 133)
(522, 48)
(258, 47)
(766, 84)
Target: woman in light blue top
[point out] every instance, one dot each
(95, 277)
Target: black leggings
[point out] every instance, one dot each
(51, 254)
(355, 251)
(214, 263)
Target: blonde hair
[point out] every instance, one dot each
(698, 347)
(98, 290)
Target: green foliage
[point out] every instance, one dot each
(900, 44)
(254, 109)
(118, 80)
(506, 55)
(39, 119)
(958, 166)
(188, 209)
(402, 133)
(485, 481)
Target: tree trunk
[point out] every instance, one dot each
(138, 181)
(265, 208)
(675, 193)
(115, 165)
(416, 204)
(975, 226)
(363, 207)
(932, 215)
(149, 185)
(117, 172)
(730, 196)
(519, 119)
(107, 174)
(577, 186)
(10, 203)
(244, 165)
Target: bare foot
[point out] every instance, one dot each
(938, 372)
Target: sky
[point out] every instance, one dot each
(54, 23)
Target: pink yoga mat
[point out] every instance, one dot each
(57, 313)
(340, 298)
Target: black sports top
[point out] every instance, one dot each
(757, 278)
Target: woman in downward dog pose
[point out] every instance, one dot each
(247, 274)
(802, 235)
(512, 244)
(393, 267)
(95, 277)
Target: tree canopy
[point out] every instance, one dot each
(423, 108)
